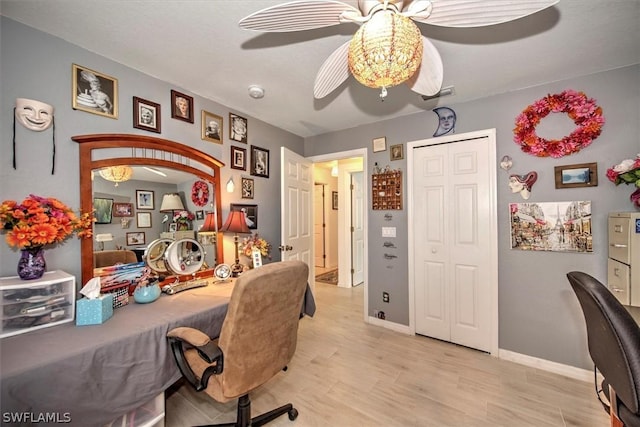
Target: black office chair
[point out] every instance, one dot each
(614, 345)
(257, 340)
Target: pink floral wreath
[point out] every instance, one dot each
(200, 193)
(582, 110)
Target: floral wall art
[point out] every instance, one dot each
(553, 226)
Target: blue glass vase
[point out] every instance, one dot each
(31, 264)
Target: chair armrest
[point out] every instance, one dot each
(207, 350)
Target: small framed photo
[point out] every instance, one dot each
(206, 238)
(379, 144)
(334, 200)
(144, 199)
(396, 152)
(211, 127)
(238, 156)
(259, 161)
(136, 238)
(250, 214)
(238, 128)
(181, 106)
(247, 188)
(200, 215)
(578, 175)
(146, 115)
(103, 210)
(143, 219)
(94, 92)
(122, 209)
(173, 227)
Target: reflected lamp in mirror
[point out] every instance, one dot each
(210, 223)
(236, 223)
(104, 237)
(171, 202)
(117, 174)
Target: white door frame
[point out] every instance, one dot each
(344, 191)
(491, 134)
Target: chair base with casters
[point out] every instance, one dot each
(257, 340)
(614, 346)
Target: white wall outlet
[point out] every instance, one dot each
(388, 232)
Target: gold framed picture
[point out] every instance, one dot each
(94, 92)
(211, 127)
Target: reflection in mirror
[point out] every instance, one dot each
(137, 217)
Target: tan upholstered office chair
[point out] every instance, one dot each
(257, 340)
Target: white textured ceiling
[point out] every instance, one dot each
(198, 46)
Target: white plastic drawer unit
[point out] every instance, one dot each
(28, 305)
(619, 280)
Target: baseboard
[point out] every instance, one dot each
(403, 329)
(547, 365)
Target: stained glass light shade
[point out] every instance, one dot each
(386, 50)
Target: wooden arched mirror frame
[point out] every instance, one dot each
(140, 144)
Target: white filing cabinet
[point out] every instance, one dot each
(623, 265)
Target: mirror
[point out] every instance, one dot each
(99, 151)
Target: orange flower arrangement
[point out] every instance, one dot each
(39, 221)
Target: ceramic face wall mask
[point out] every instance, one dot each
(34, 115)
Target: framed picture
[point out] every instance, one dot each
(237, 158)
(146, 115)
(334, 200)
(173, 227)
(379, 144)
(136, 238)
(259, 161)
(144, 199)
(122, 209)
(578, 175)
(94, 92)
(247, 188)
(200, 215)
(143, 219)
(206, 238)
(250, 212)
(181, 106)
(397, 152)
(211, 127)
(238, 128)
(103, 210)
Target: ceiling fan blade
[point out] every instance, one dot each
(333, 72)
(297, 16)
(428, 79)
(480, 13)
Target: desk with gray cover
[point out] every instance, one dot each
(98, 373)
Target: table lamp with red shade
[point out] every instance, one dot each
(236, 223)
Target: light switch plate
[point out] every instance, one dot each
(388, 232)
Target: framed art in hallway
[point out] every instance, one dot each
(238, 128)
(247, 188)
(94, 92)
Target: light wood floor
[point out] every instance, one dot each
(348, 373)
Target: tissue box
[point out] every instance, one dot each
(94, 311)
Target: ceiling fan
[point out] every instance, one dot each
(388, 49)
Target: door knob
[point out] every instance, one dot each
(285, 248)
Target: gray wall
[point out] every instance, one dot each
(539, 315)
(37, 66)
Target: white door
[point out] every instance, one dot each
(296, 186)
(319, 225)
(357, 228)
(454, 224)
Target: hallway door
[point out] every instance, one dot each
(357, 228)
(454, 220)
(319, 226)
